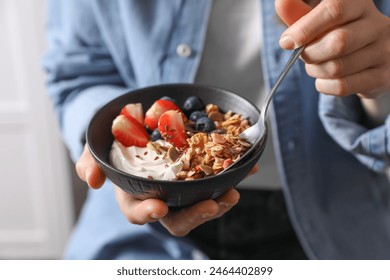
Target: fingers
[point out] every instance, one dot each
(291, 10)
(324, 17)
(89, 171)
(340, 67)
(368, 83)
(254, 170)
(226, 202)
(177, 222)
(181, 222)
(346, 45)
(140, 211)
(339, 42)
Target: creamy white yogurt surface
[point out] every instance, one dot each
(144, 162)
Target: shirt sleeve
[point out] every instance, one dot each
(344, 120)
(81, 74)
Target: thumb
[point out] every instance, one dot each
(291, 10)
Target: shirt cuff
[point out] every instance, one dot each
(343, 119)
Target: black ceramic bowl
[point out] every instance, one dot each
(174, 193)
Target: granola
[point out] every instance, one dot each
(210, 153)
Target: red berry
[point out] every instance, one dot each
(172, 129)
(134, 110)
(129, 132)
(156, 110)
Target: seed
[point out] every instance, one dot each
(173, 154)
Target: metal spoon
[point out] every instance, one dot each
(258, 132)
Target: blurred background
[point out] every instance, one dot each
(37, 205)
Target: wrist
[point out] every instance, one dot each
(377, 108)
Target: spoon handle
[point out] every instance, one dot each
(294, 56)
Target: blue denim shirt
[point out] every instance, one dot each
(331, 165)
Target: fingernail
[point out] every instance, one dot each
(154, 216)
(205, 216)
(286, 42)
(224, 204)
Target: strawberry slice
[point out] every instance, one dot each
(172, 129)
(156, 110)
(134, 110)
(129, 132)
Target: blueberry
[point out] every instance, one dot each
(149, 131)
(197, 115)
(193, 103)
(204, 124)
(155, 135)
(169, 99)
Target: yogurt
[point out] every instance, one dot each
(145, 162)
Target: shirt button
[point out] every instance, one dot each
(183, 50)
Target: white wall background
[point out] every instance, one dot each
(36, 211)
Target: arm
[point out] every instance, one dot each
(377, 109)
(81, 74)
